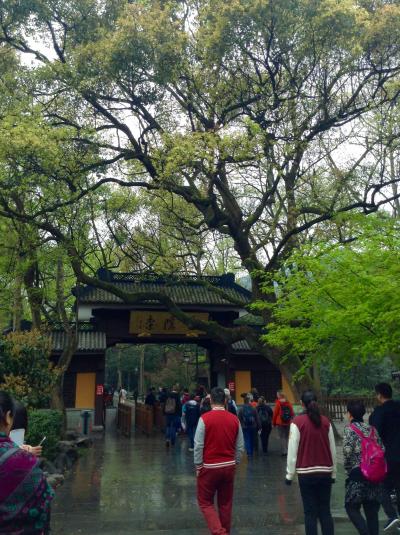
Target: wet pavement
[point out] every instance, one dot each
(136, 486)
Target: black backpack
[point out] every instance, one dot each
(248, 416)
(265, 416)
(286, 413)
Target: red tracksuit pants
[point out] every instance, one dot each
(211, 482)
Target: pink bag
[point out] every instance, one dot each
(373, 463)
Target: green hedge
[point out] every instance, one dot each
(45, 423)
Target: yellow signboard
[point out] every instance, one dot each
(149, 323)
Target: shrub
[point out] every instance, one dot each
(45, 423)
(25, 368)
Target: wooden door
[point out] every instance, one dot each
(85, 390)
(242, 384)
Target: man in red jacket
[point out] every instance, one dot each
(218, 446)
(282, 418)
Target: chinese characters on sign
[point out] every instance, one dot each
(150, 322)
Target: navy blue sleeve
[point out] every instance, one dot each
(376, 419)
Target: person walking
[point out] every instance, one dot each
(191, 414)
(250, 424)
(230, 402)
(150, 397)
(173, 413)
(265, 415)
(185, 396)
(312, 455)
(282, 417)
(359, 491)
(255, 394)
(253, 402)
(386, 420)
(205, 405)
(218, 446)
(122, 395)
(25, 495)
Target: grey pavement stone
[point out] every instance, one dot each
(139, 487)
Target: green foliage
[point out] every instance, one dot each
(359, 380)
(25, 369)
(191, 136)
(163, 365)
(45, 423)
(174, 371)
(338, 304)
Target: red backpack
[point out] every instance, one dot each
(373, 464)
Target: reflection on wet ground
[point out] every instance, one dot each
(136, 486)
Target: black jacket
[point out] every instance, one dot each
(150, 399)
(386, 419)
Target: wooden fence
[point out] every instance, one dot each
(124, 418)
(336, 406)
(149, 419)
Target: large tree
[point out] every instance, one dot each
(249, 111)
(337, 303)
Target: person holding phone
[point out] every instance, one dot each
(20, 429)
(25, 495)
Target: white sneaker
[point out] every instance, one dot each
(191, 449)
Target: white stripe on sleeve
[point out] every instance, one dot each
(294, 441)
(332, 446)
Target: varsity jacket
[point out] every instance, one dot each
(312, 449)
(218, 441)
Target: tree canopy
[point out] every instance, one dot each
(338, 304)
(161, 135)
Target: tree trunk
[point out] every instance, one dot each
(70, 344)
(34, 292)
(57, 399)
(18, 305)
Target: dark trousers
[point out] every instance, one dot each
(172, 422)
(316, 496)
(255, 440)
(368, 525)
(211, 482)
(191, 431)
(391, 486)
(248, 435)
(265, 432)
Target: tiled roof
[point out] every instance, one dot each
(182, 290)
(87, 341)
(241, 345)
(249, 319)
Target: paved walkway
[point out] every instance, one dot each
(135, 486)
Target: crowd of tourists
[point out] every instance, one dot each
(182, 411)
(218, 432)
(371, 453)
